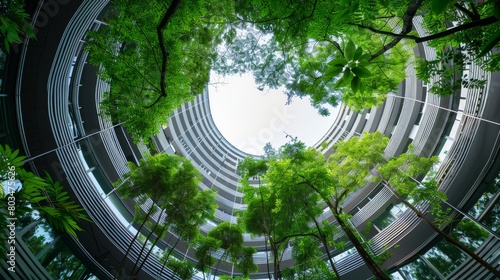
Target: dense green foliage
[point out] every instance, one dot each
(28, 197)
(42, 194)
(14, 24)
(151, 77)
(171, 182)
(183, 269)
(158, 55)
(295, 179)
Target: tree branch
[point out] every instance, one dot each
(481, 22)
(407, 27)
(164, 54)
(374, 30)
(336, 44)
(464, 10)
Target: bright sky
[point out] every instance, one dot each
(249, 118)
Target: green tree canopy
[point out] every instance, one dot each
(171, 182)
(350, 51)
(156, 55)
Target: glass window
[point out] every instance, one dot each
(485, 199)
(62, 263)
(418, 270)
(491, 219)
(444, 257)
(39, 238)
(384, 220)
(389, 215)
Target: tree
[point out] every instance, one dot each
(183, 269)
(332, 180)
(306, 252)
(267, 215)
(191, 209)
(205, 247)
(366, 154)
(231, 240)
(328, 50)
(351, 164)
(171, 182)
(156, 55)
(243, 260)
(397, 175)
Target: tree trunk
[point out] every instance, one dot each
(325, 244)
(151, 249)
(147, 239)
(168, 255)
(122, 263)
(267, 257)
(334, 269)
(369, 261)
(276, 266)
(443, 234)
(218, 262)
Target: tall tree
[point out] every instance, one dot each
(281, 210)
(191, 209)
(171, 182)
(332, 183)
(397, 175)
(231, 240)
(205, 246)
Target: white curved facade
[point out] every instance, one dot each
(56, 96)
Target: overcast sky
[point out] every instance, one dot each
(249, 118)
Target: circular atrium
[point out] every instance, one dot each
(50, 95)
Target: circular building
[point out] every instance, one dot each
(50, 96)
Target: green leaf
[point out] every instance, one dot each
(363, 62)
(338, 61)
(355, 84)
(361, 72)
(494, 39)
(362, 86)
(346, 78)
(358, 54)
(496, 9)
(439, 6)
(333, 71)
(349, 50)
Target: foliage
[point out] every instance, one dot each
(306, 252)
(205, 247)
(476, 41)
(447, 73)
(171, 182)
(230, 237)
(55, 205)
(244, 261)
(302, 177)
(152, 72)
(41, 194)
(183, 269)
(14, 23)
(302, 47)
